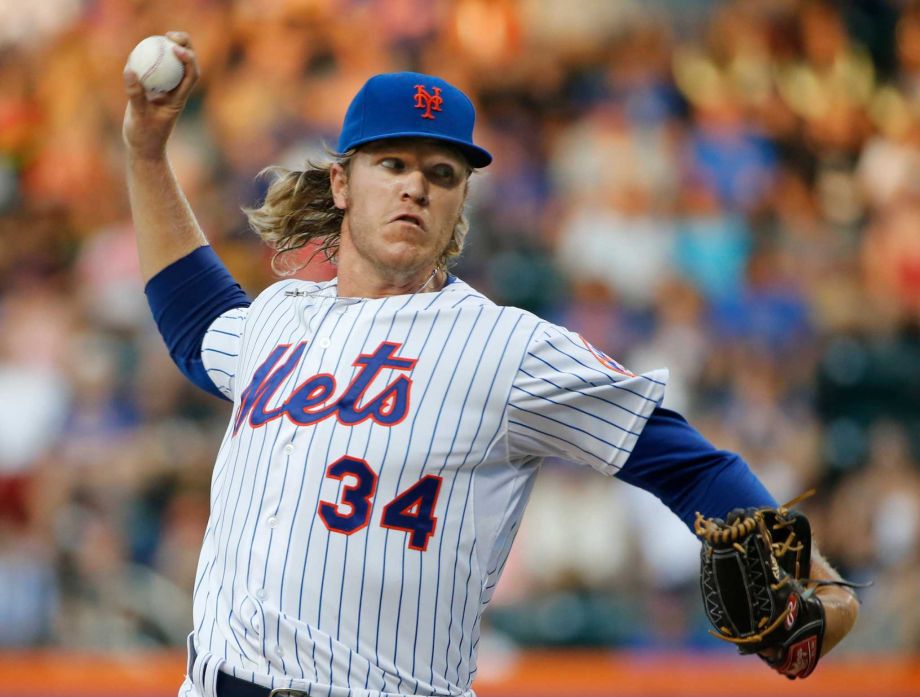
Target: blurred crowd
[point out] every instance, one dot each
(729, 189)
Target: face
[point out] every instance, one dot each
(402, 200)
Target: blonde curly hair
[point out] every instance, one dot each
(298, 210)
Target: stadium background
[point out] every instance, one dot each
(731, 189)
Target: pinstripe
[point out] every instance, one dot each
(592, 395)
(297, 509)
(497, 571)
(453, 576)
(303, 575)
(220, 331)
(491, 440)
(466, 599)
(572, 407)
(606, 376)
(371, 512)
(556, 437)
(238, 547)
(570, 427)
(399, 488)
(440, 472)
(222, 353)
(236, 461)
(472, 441)
(386, 537)
(337, 497)
(462, 300)
(271, 534)
(606, 384)
(265, 340)
(322, 584)
(460, 528)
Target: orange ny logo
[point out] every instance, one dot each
(428, 102)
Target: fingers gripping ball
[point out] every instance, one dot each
(754, 591)
(156, 65)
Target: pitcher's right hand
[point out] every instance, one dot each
(149, 120)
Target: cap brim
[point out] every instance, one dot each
(476, 156)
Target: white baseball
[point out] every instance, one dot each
(156, 66)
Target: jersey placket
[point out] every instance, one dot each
(277, 511)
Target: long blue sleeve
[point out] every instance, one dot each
(185, 298)
(672, 460)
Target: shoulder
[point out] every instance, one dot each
(547, 335)
(275, 289)
(459, 294)
(508, 330)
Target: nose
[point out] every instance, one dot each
(415, 187)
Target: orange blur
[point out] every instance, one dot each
(531, 674)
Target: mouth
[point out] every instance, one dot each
(409, 218)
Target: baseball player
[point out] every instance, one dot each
(387, 426)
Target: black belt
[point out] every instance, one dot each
(229, 686)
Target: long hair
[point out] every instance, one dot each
(298, 210)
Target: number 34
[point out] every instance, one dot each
(412, 511)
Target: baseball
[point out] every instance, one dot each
(156, 66)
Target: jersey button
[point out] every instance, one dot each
(324, 342)
(260, 594)
(289, 448)
(271, 521)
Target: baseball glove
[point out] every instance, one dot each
(754, 591)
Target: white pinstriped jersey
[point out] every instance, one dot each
(374, 475)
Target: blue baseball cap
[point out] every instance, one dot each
(412, 105)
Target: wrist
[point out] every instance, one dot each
(138, 155)
(841, 609)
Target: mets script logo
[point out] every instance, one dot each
(428, 102)
(309, 402)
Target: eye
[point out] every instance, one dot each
(393, 163)
(444, 174)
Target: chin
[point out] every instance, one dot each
(403, 257)
(407, 267)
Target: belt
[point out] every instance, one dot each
(230, 686)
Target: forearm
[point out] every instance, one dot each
(841, 606)
(164, 223)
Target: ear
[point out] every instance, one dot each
(338, 182)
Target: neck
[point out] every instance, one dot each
(378, 285)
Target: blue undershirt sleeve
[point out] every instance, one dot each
(672, 460)
(185, 298)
